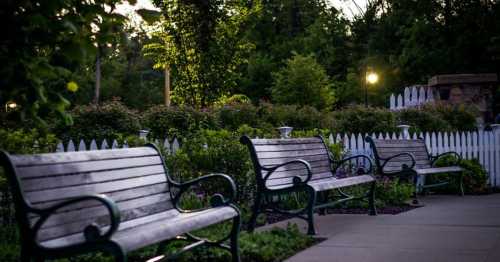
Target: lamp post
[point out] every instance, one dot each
(371, 78)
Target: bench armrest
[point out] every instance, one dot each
(296, 179)
(404, 166)
(337, 164)
(216, 199)
(436, 158)
(91, 232)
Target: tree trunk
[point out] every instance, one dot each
(97, 77)
(167, 86)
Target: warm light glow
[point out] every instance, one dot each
(10, 106)
(372, 78)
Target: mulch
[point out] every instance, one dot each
(389, 210)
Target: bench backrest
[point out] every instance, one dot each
(134, 178)
(385, 148)
(272, 152)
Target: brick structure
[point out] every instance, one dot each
(472, 89)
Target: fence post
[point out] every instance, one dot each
(495, 176)
(404, 131)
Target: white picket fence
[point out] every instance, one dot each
(412, 96)
(482, 145)
(169, 146)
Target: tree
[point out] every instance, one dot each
(304, 82)
(42, 46)
(418, 39)
(202, 43)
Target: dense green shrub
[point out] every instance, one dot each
(438, 117)
(232, 100)
(304, 82)
(393, 192)
(111, 120)
(300, 118)
(358, 119)
(475, 177)
(166, 121)
(422, 121)
(459, 117)
(208, 151)
(234, 115)
(25, 142)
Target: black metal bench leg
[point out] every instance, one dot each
(415, 193)
(461, 184)
(160, 250)
(117, 252)
(371, 200)
(27, 255)
(310, 212)
(324, 199)
(235, 253)
(255, 212)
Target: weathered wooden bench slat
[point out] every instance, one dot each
(74, 191)
(289, 147)
(289, 154)
(81, 156)
(317, 165)
(64, 217)
(299, 141)
(122, 196)
(278, 168)
(321, 185)
(117, 196)
(75, 179)
(310, 159)
(87, 166)
(288, 175)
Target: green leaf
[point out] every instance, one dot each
(150, 16)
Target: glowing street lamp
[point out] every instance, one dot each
(371, 78)
(10, 106)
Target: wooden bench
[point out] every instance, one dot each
(304, 164)
(114, 201)
(409, 158)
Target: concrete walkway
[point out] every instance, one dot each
(448, 228)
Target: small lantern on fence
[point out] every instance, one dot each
(143, 134)
(405, 131)
(285, 131)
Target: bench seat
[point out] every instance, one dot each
(333, 182)
(150, 230)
